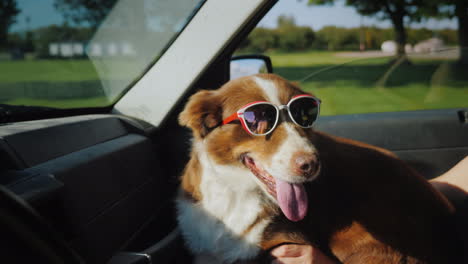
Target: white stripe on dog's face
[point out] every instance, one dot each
(280, 165)
(270, 90)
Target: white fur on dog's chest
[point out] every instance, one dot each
(219, 230)
(221, 223)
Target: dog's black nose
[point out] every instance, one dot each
(305, 164)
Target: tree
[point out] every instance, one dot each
(292, 37)
(461, 12)
(337, 38)
(450, 9)
(85, 11)
(8, 12)
(418, 35)
(395, 10)
(285, 21)
(262, 40)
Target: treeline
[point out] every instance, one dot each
(287, 36)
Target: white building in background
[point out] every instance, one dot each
(112, 49)
(54, 49)
(429, 45)
(66, 49)
(95, 49)
(390, 46)
(127, 49)
(77, 49)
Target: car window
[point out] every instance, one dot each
(353, 62)
(76, 54)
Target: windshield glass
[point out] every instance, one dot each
(360, 62)
(350, 82)
(76, 53)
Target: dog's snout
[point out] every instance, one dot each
(305, 164)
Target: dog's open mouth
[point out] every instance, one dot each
(291, 197)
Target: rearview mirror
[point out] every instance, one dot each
(245, 65)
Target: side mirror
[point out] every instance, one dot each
(245, 65)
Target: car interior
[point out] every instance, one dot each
(99, 187)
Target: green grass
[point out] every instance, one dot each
(357, 85)
(346, 85)
(62, 103)
(47, 70)
(317, 58)
(70, 83)
(51, 83)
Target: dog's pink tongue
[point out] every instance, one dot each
(292, 199)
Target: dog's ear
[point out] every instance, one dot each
(202, 113)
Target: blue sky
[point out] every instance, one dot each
(42, 13)
(338, 15)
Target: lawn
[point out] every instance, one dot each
(47, 71)
(346, 84)
(349, 85)
(51, 83)
(71, 83)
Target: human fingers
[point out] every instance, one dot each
(299, 254)
(290, 250)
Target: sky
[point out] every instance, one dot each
(42, 13)
(338, 15)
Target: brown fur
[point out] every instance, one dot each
(366, 206)
(227, 142)
(191, 181)
(267, 211)
(202, 113)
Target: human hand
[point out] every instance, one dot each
(454, 183)
(457, 176)
(299, 254)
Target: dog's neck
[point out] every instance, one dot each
(226, 215)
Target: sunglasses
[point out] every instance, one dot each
(260, 118)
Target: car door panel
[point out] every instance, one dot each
(36, 141)
(96, 179)
(432, 141)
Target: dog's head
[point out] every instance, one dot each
(278, 163)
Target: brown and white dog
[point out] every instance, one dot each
(356, 202)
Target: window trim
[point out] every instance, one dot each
(204, 38)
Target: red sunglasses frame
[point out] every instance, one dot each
(239, 115)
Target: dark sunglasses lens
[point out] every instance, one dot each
(304, 111)
(260, 118)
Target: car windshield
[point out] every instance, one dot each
(352, 82)
(354, 60)
(77, 54)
